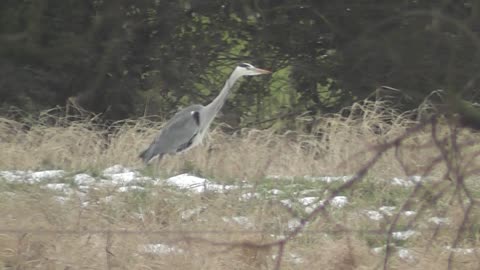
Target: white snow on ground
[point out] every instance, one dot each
(188, 214)
(123, 179)
(326, 179)
(248, 196)
(288, 203)
(13, 176)
(291, 257)
(387, 210)
(130, 188)
(43, 175)
(30, 177)
(59, 187)
(294, 258)
(403, 235)
(378, 250)
(159, 249)
(373, 215)
(406, 255)
(83, 179)
(464, 251)
(293, 223)
(308, 200)
(240, 220)
(196, 184)
(276, 177)
(118, 175)
(339, 201)
(313, 202)
(409, 182)
(115, 169)
(439, 220)
(409, 213)
(60, 199)
(275, 192)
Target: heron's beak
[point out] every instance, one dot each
(262, 71)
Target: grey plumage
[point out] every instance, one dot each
(187, 127)
(176, 135)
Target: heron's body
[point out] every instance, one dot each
(188, 127)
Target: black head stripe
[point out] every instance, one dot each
(245, 65)
(196, 117)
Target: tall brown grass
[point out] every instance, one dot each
(331, 148)
(38, 232)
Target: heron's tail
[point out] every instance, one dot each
(149, 154)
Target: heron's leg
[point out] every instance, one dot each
(157, 167)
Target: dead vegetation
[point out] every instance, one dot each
(372, 143)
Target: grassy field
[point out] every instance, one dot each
(405, 197)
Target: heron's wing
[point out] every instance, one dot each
(179, 132)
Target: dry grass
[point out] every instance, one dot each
(40, 233)
(82, 145)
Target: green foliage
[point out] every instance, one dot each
(149, 57)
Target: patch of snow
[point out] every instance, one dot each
(378, 250)
(240, 220)
(409, 213)
(306, 192)
(42, 175)
(107, 199)
(83, 179)
(115, 169)
(293, 223)
(415, 178)
(308, 200)
(288, 203)
(15, 176)
(439, 220)
(401, 182)
(60, 199)
(59, 187)
(339, 201)
(295, 258)
(311, 202)
(29, 176)
(130, 188)
(277, 177)
(197, 184)
(403, 235)
(374, 215)
(387, 210)
(188, 214)
(275, 192)
(8, 194)
(84, 188)
(159, 249)
(248, 196)
(124, 178)
(219, 188)
(186, 181)
(328, 179)
(464, 251)
(278, 236)
(309, 209)
(412, 180)
(406, 255)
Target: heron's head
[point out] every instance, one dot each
(246, 69)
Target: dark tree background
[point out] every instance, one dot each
(129, 58)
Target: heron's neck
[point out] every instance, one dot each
(218, 102)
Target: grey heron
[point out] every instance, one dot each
(187, 127)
